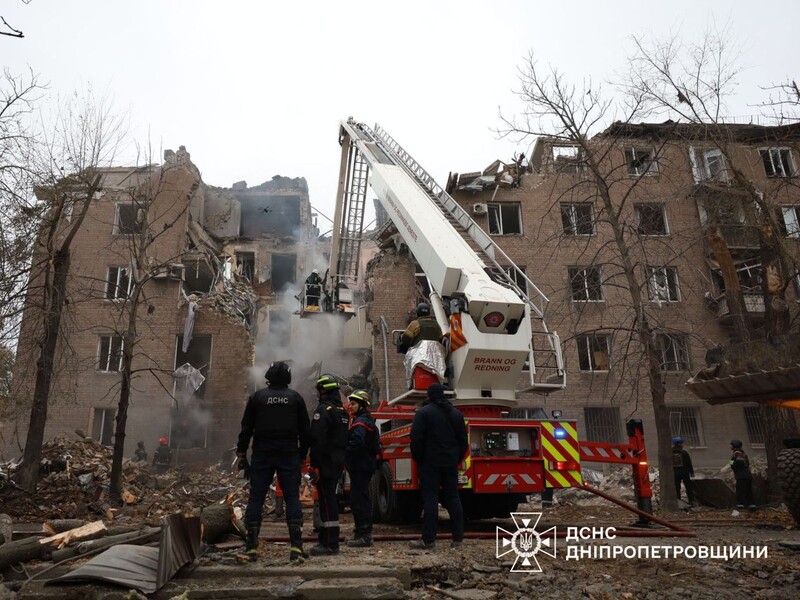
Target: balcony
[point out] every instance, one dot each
(753, 303)
(740, 236)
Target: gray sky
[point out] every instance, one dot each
(255, 89)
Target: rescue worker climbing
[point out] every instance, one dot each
(328, 440)
(363, 448)
(313, 288)
(424, 327)
(682, 467)
(162, 457)
(276, 420)
(740, 464)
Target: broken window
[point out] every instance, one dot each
(673, 352)
(790, 221)
(586, 284)
(593, 352)
(283, 270)
(196, 273)
(566, 159)
(505, 218)
(663, 284)
(110, 354)
(603, 424)
(684, 421)
(118, 283)
(103, 426)
(190, 414)
(708, 164)
(577, 218)
(129, 219)
(640, 161)
(778, 162)
(651, 219)
(246, 264)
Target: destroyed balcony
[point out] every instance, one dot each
(753, 303)
(740, 235)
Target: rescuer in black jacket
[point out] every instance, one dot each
(363, 446)
(438, 444)
(277, 421)
(328, 440)
(424, 327)
(682, 466)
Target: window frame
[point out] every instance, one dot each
(669, 273)
(693, 439)
(637, 207)
(495, 211)
(574, 276)
(605, 419)
(794, 233)
(701, 170)
(767, 152)
(106, 424)
(115, 285)
(570, 220)
(105, 359)
(631, 163)
(756, 428)
(587, 349)
(137, 226)
(678, 344)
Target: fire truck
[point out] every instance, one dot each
(493, 319)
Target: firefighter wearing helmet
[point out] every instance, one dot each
(328, 440)
(162, 457)
(276, 420)
(740, 464)
(363, 449)
(682, 469)
(424, 327)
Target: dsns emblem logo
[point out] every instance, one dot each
(526, 542)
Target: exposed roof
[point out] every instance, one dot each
(782, 383)
(735, 132)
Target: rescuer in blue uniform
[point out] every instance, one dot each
(438, 444)
(277, 421)
(363, 447)
(328, 440)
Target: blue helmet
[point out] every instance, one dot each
(677, 440)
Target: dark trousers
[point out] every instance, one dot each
(328, 512)
(744, 492)
(430, 479)
(262, 470)
(687, 482)
(360, 502)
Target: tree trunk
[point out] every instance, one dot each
(28, 474)
(115, 487)
(779, 424)
(773, 285)
(733, 290)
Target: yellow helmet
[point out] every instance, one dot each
(360, 396)
(327, 383)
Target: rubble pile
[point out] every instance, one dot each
(74, 483)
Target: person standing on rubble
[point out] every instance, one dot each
(363, 448)
(682, 466)
(162, 457)
(140, 453)
(424, 327)
(438, 445)
(276, 419)
(328, 441)
(740, 464)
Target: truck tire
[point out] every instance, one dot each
(390, 505)
(789, 477)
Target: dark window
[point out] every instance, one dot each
(190, 414)
(586, 284)
(118, 283)
(566, 159)
(578, 218)
(778, 162)
(663, 284)
(755, 425)
(640, 161)
(684, 421)
(283, 270)
(651, 219)
(129, 219)
(593, 352)
(708, 164)
(602, 424)
(110, 358)
(673, 352)
(246, 263)
(103, 426)
(505, 218)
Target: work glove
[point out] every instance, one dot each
(314, 475)
(242, 464)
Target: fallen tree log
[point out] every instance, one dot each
(147, 534)
(55, 526)
(217, 520)
(89, 531)
(38, 548)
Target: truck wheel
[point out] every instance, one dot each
(789, 477)
(385, 503)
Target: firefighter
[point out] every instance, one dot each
(313, 288)
(740, 464)
(424, 327)
(162, 457)
(438, 444)
(363, 448)
(682, 466)
(328, 441)
(140, 453)
(276, 419)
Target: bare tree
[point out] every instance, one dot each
(84, 138)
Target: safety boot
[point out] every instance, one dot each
(251, 541)
(363, 540)
(296, 541)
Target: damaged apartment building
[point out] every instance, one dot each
(545, 213)
(222, 272)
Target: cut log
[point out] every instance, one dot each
(21, 551)
(89, 531)
(55, 526)
(142, 536)
(217, 520)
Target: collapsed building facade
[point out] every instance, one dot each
(672, 184)
(223, 268)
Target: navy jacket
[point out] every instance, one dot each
(277, 421)
(329, 436)
(363, 443)
(438, 434)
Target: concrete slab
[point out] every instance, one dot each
(354, 588)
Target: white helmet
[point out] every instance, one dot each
(315, 271)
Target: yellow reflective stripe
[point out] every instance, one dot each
(573, 433)
(577, 475)
(551, 450)
(573, 451)
(570, 445)
(561, 479)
